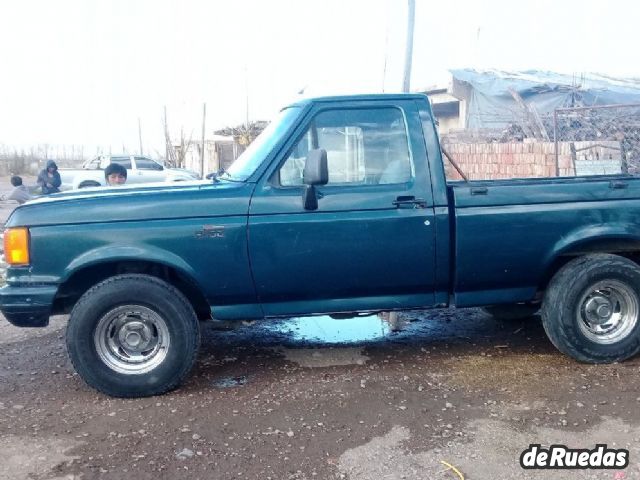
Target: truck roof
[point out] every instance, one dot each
(360, 97)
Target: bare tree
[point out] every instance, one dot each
(182, 149)
(244, 134)
(170, 154)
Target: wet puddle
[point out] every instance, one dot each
(230, 382)
(324, 329)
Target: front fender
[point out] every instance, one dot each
(119, 253)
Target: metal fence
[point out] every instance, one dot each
(613, 132)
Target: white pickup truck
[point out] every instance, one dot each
(139, 170)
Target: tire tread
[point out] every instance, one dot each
(172, 292)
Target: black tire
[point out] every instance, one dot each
(513, 312)
(571, 313)
(88, 184)
(133, 336)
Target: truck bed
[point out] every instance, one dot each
(534, 224)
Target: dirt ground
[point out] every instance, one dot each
(317, 398)
(297, 400)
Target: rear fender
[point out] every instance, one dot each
(616, 238)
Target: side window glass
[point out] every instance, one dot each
(364, 147)
(291, 171)
(146, 164)
(125, 162)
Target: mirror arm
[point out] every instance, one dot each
(310, 198)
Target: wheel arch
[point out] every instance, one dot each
(620, 240)
(81, 275)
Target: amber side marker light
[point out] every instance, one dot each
(16, 246)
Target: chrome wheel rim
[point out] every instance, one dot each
(132, 339)
(608, 312)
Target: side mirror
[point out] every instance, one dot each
(316, 172)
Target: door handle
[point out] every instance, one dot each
(617, 184)
(409, 201)
(479, 190)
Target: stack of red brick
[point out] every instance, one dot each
(490, 161)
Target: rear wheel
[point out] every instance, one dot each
(133, 336)
(591, 309)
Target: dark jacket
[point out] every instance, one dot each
(47, 183)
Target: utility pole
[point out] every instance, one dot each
(408, 55)
(140, 136)
(406, 86)
(204, 118)
(386, 53)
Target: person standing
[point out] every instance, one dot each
(49, 179)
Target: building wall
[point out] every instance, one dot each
(447, 124)
(491, 161)
(449, 110)
(218, 154)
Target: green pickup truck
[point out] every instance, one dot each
(340, 206)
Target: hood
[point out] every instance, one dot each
(184, 171)
(50, 164)
(151, 201)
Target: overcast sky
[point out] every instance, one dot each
(83, 71)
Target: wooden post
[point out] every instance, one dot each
(623, 158)
(555, 141)
(140, 136)
(166, 136)
(204, 118)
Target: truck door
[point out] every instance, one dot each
(371, 242)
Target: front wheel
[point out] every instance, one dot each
(133, 336)
(591, 309)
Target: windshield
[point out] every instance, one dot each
(252, 157)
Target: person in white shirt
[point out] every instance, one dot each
(20, 193)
